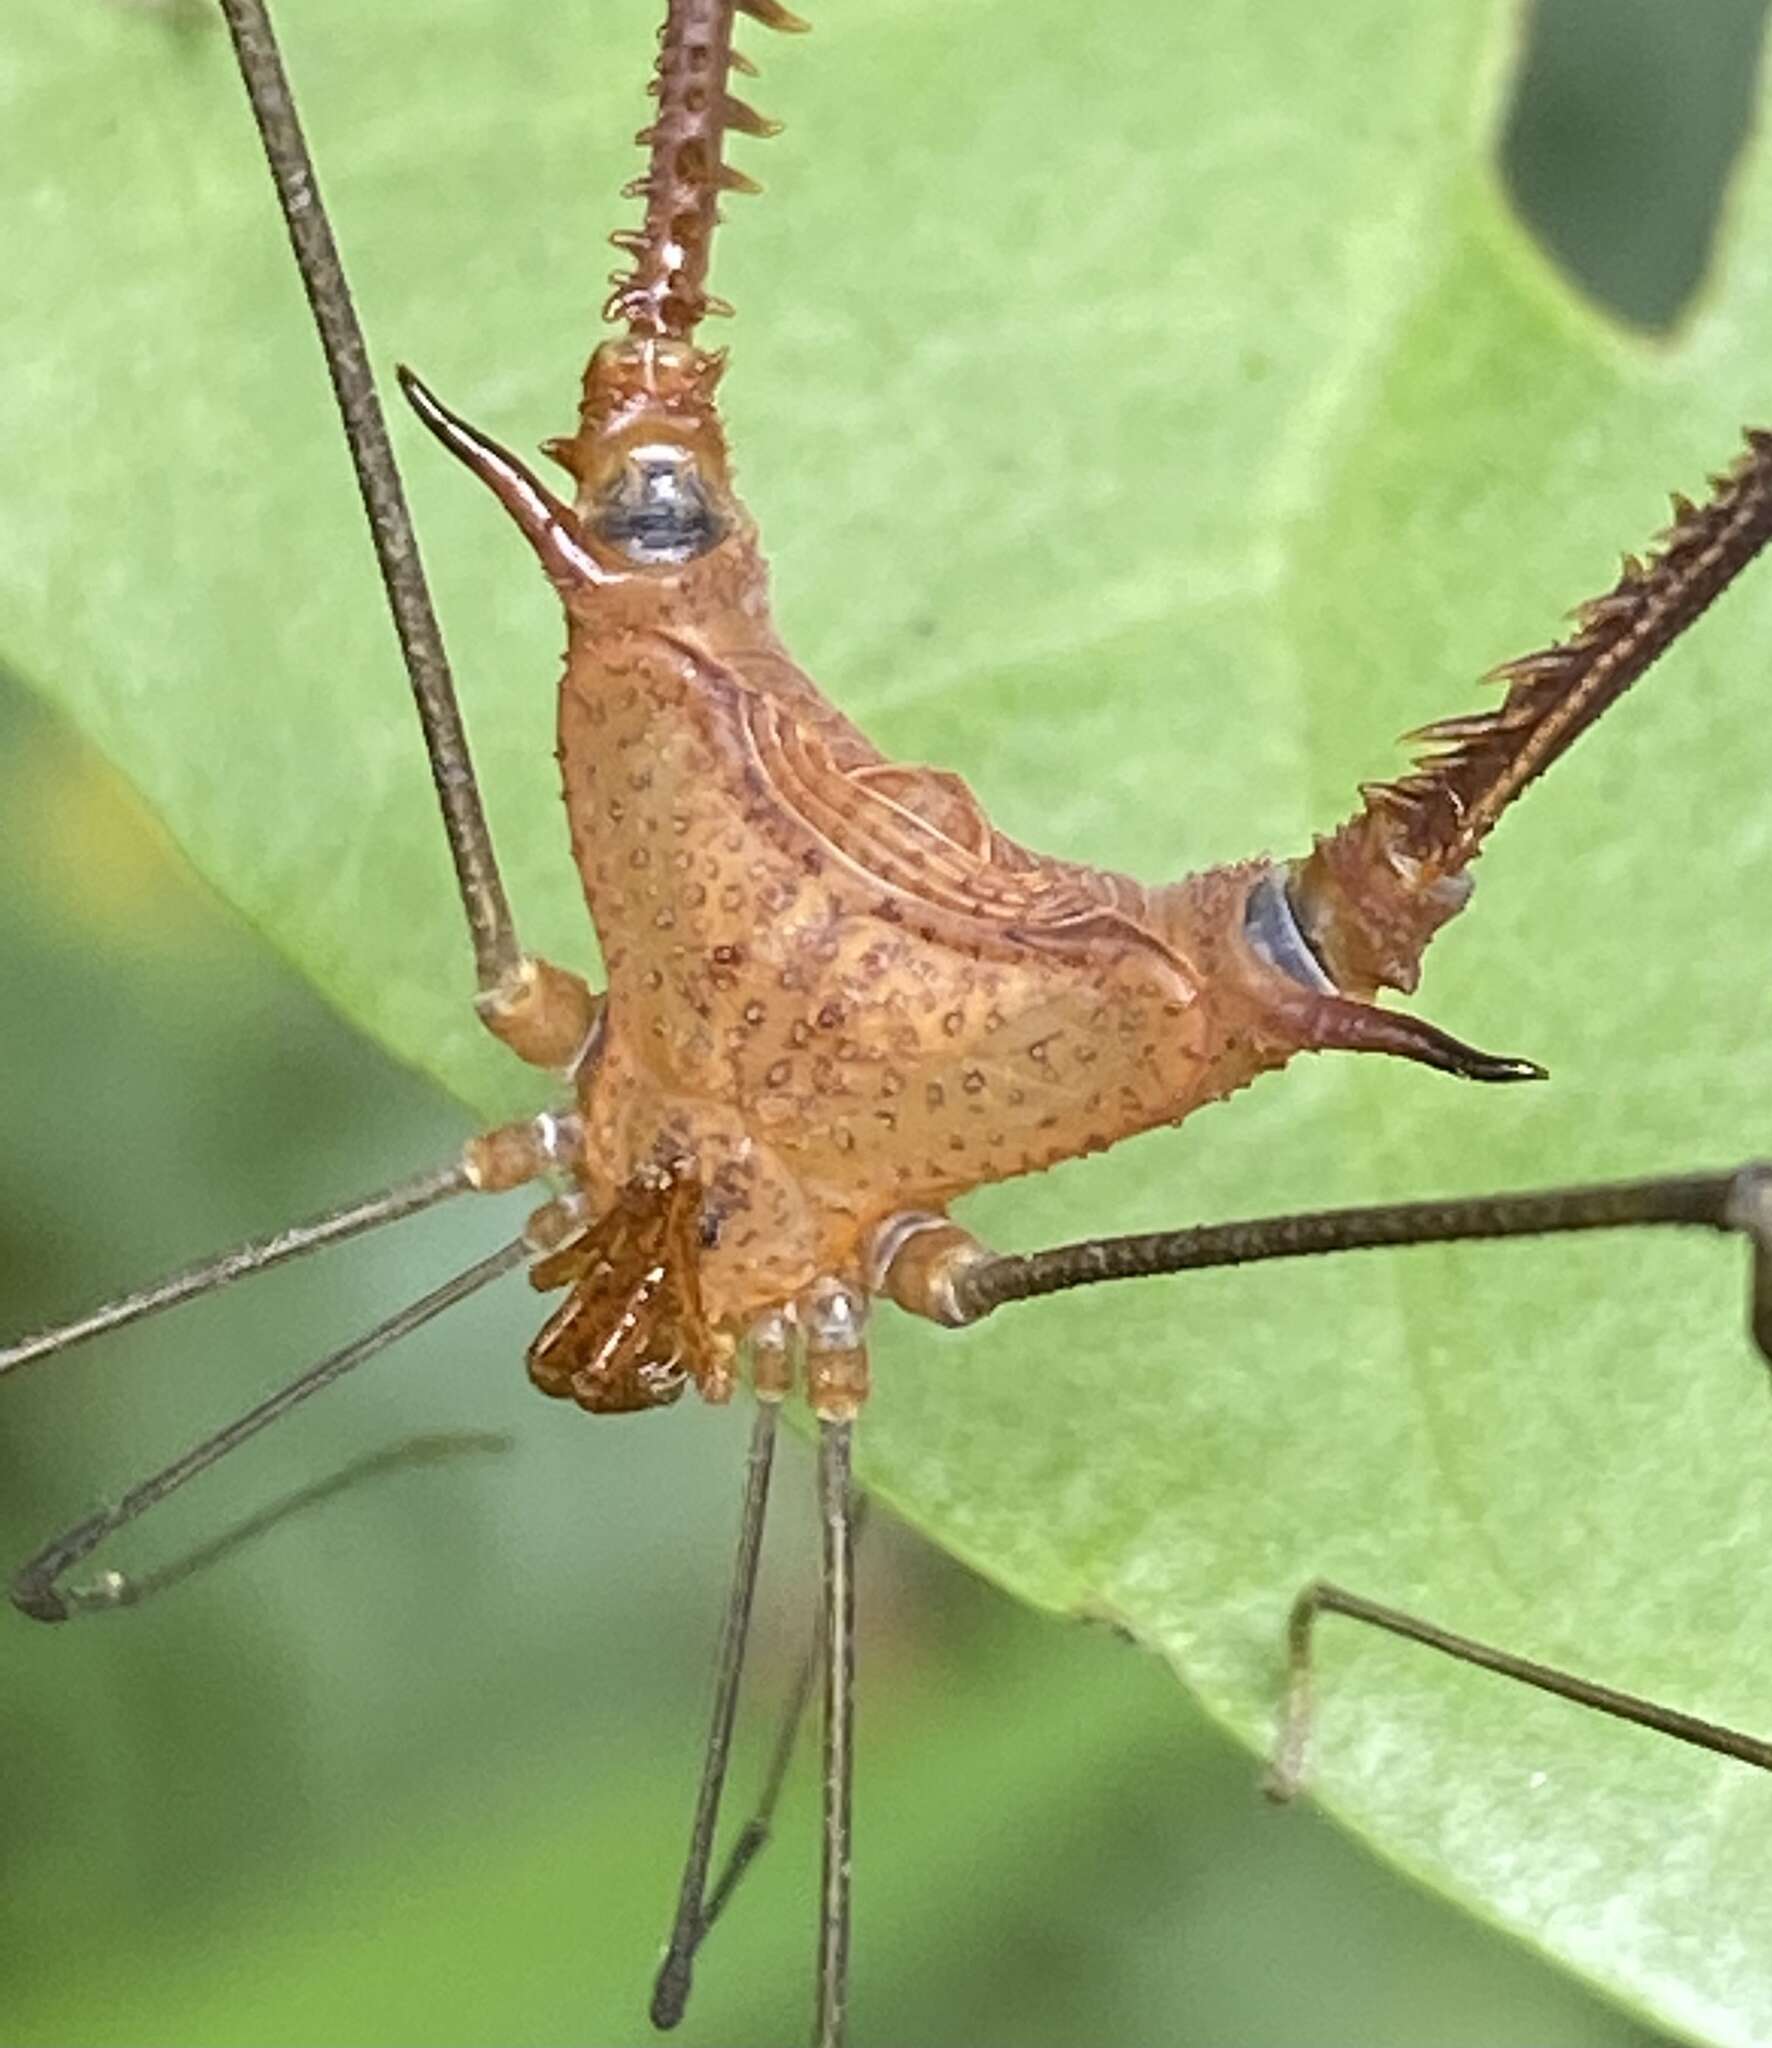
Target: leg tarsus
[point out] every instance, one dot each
(36, 1595)
(1286, 1769)
(35, 1590)
(1285, 1772)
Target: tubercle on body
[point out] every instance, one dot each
(836, 992)
(837, 995)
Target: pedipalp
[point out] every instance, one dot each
(840, 998)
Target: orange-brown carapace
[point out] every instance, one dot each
(837, 997)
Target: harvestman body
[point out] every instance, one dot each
(837, 997)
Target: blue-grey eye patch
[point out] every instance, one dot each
(657, 509)
(1271, 927)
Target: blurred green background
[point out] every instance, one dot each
(394, 1775)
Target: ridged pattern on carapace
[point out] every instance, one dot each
(1473, 767)
(664, 296)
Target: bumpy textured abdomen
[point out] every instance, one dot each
(788, 1014)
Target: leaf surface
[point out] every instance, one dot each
(1149, 412)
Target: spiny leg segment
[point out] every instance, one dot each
(663, 295)
(1371, 894)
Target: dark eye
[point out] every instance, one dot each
(658, 509)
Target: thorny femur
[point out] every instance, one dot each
(838, 998)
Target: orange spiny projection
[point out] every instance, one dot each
(1372, 894)
(663, 297)
(839, 999)
(837, 995)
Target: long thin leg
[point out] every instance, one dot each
(427, 1449)
(492, 1163)
(35, 1590)
(935, 1269)
(836, 1504)
(670, 1991)
(1286, 1772)
(257, 1255)
(751, 1839)
(544, 1012)
(497, 955)
(754, 1836)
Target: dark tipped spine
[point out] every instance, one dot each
(664, 295)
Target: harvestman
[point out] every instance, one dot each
(838, 998)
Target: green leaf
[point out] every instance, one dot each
(1149, 412)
